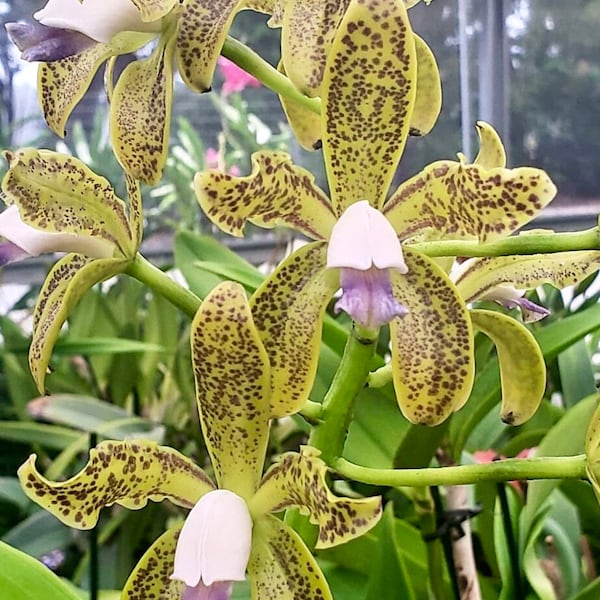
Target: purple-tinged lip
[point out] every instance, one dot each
(10, 253)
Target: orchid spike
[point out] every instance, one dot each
(229, 532)
(57, 204)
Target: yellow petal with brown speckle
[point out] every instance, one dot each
(428, 101)
(491, 149)
(432, 346)
(127, 473)
(152, 10)
(369, 92)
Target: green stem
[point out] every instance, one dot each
(144, 271)
(330, 434)
(562, 467)
(519, 244)
(252, 63)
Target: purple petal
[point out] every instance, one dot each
(10, 253)
(367, 297)
(219, 590)
(46, 44)
(531, 311)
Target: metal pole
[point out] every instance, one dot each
(466, 123)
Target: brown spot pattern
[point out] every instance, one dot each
(275, 193)
(368, 96)
(152, 10)
(140, 115)
(57, 193)
(298, 480)
(281, 567)
(231, 370)
(70, 278)
(460, 201)
(432, 346)
(127, 473)
(288, 310)
(203, 28)
(62, 84)
(151, 577)
(136, 215)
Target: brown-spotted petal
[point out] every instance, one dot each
(69, 279)
(275, 193)
(151, 577)
(522, 368)
(468, 201)
(368, 97)
(136, 215)
(299, 481)
(288, 310)
(432, 346)
(281, 567)
(152, 10)
(232, 374)
(491, 149)
(140, 114)
(308, 30)
(127, 473)
(479, 276)
(203, 28)
(57, 193)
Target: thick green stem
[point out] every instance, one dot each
(563, 467)
(330, 434)
(518, 244)
(144, 271)
(252, 63)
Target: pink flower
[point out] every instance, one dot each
(212, 160)
(236, 79)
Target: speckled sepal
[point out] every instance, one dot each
(232, 374)
(140, 114)
(69, 279)
(526, 272)
(369, 92)
(275, 193)
(288, 310)
(491, 149)
(308, 31)
(428, 101)
(135, 209)
(522, 368)
(127, 473)
(281, 567)
(152, 10)
(60, 194)
(299, 481)
(151, 577)
(432, 346)
(455, 200)
(203, 28)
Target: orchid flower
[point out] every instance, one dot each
(57, 204)
(236, 80)
(72, 38)
(368, 97)
(230, 530)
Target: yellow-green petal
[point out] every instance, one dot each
(275, 193)
(281, 567)
(62, 84)
(151, 577)
(127, 473)
(592, 452)
(491, 150)
(526, 272)
(203, 28)
(232, 374)
(152, 10)
(299, 481)
(432, 346)
(60, 194)
(136, 215)
(305, 124)
(467, 201)
(308, 30)
(368, 97)
(428, 101)
(288, 310)
(522, 368)
(69, 279)
(140, 114)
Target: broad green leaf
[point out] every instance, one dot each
(590, 592)
(96, 345)
(25, 578)
(576, 374)
(47, 436)
(11, 493)
(507, 575)
(367, 102)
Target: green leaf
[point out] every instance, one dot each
(47, 436)
(576, 374)
(11, 493)
(590, 592)
(25, 578)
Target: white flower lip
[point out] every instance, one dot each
(363, 238)
(36, 242)
(215, 541)
(100, 20)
